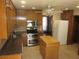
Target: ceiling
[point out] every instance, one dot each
(43, 4)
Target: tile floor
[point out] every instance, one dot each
(65, 52)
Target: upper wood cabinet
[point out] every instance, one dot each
(7, 18)
(66, 14)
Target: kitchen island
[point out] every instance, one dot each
(49, 47)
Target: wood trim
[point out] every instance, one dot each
(71, 27)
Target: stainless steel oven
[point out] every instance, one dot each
(32, 39)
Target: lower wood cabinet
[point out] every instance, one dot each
(78, 48)
(13, 56)
(49, 47)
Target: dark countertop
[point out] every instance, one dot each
(12, 46)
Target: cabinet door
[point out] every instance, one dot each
(52, 52)
(3, 26)
(42, 48)
(11, 17)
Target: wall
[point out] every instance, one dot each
(56, 16)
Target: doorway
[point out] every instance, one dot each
(47, 25)
(76, 29)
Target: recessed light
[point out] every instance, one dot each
(23, 2)
(66, 9)
(49, 6)
(52, 9)
(77, 6)
(33, 7)
(22, 6)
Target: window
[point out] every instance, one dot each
(44, 23)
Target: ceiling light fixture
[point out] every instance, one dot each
(77, 6)
(23, 2)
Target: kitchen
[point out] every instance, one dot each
(14, 23)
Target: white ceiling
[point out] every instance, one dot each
(42, 4)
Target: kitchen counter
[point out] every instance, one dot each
(12, 46)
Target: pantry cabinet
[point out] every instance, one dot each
(2, 20)
(7, 18)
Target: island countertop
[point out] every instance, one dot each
(49, 40)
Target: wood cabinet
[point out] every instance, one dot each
(49, 47)
(13, 56)
(7, 18)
